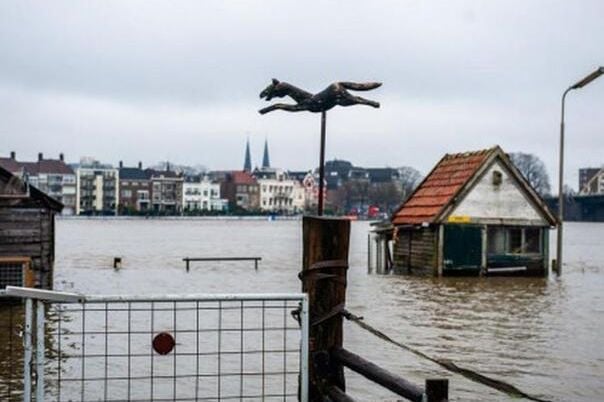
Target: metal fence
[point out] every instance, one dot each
(164, 348)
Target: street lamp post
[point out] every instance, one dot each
(589, 78)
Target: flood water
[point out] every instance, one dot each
(543, 335)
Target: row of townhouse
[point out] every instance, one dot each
(94, 188)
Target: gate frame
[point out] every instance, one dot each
(47, 296)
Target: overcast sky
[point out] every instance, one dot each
(179, 81)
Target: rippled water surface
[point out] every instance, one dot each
(543, 335)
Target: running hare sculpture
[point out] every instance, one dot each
(335, 94)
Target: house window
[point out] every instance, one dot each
(497, 178)
(532, 240)
(513, 240)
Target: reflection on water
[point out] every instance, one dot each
(541, 334)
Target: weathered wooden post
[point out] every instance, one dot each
(325, 262)
(437, 390)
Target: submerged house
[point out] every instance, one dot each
(473, 214)
(27, 233)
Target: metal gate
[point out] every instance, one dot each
(164, 348)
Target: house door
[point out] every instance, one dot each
(462, 248)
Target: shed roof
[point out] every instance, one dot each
(448, 179)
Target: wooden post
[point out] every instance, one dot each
(324, 265)
(117, 262)
(187, 262)
(437, 390)
(256, 264)
(368, 253)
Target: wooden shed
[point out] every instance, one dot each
(473, 214)
(27, 233)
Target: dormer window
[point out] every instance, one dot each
(497, 178)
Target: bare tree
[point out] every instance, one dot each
(410, 178)
(386, 196)
(533, 169)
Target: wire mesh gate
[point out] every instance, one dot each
(164, 348)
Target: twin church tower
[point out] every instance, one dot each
(247, 164)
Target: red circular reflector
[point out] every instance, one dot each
(163, 343)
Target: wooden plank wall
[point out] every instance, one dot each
(416, 251)
(29, 232)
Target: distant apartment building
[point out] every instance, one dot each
(135, 189)
(279, 193)
(202, 194)
(51, 176)
(239, 188)
(97, 188)
(166, 191)
(591, 181)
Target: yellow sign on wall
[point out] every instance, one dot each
(459, 219)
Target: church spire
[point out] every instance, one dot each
(247, 165)
(266, 163)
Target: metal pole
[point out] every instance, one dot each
(304, 352)
(27, 350)
(322, 164)
(40, 351)
(561, 190)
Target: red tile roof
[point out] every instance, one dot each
(439, 188)
(242, 177)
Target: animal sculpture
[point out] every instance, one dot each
(335, 94)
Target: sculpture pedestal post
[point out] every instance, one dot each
(322, 165)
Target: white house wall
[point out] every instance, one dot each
(505, 203)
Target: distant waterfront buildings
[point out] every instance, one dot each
(240, 189)
(97, 188)
(51, 176)
(135, 189)
(202, 194)
(166, 191)
(279, 193)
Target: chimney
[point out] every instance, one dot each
(13, 156)
(140, 165)
(62, 157)
(121, 164)
(40, 156)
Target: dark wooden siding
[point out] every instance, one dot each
(29, 232)
(416, 251)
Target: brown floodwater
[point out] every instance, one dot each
(543, 335)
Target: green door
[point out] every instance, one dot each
(462, 248)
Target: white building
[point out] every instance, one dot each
(97, 188)
(279, 193)
(201, 194)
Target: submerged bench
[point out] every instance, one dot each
(187, 260)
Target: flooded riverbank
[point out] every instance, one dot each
(541, 334)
